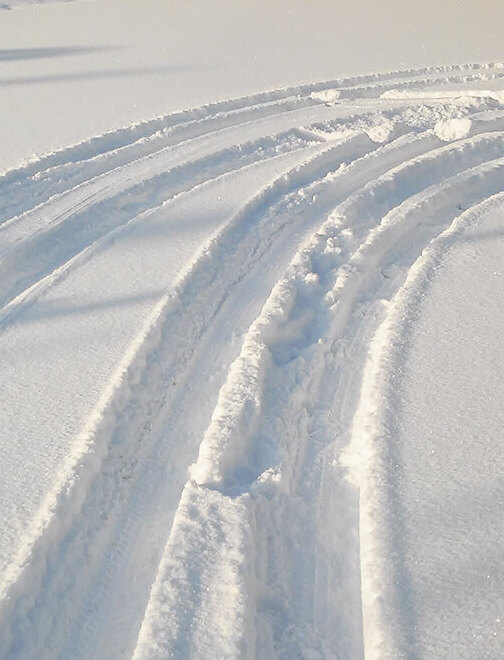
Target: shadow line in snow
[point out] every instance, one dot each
(20, 4)
(481, 236)
(63, 308)
(93, 75)
(15, 54)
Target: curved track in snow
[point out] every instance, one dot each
(191, 313)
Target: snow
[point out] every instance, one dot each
(421, 454)
(449, 464)
(250, 327)
(453, 129)
(70, 70)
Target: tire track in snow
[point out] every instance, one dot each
(226, 458)
(21, 186)
(244, 489)
(20, 283)
(349, 178)
(39, 240)
(203, 277)
(167, 621)
(389, 156)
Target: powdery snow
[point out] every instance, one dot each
(447, 425)
(251, 350)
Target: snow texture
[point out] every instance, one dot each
(251, 370)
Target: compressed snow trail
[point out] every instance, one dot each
(203, 289)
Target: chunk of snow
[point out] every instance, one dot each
(380, 133)
(326, 95)
(452, 129)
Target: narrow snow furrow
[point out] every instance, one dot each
(393, 88)
(42, 256)
(34, 190)
(156, 161)
(436, 77)
(443, 95)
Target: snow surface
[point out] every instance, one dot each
(251, 357)
(450, 470)
(70, 70)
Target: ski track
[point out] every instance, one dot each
(214, 483)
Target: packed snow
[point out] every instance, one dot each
(250, 319)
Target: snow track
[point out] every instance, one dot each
(196, 319)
